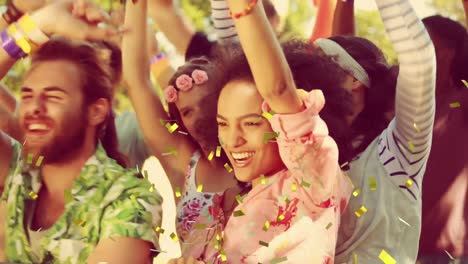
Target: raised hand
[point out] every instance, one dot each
(74, 19)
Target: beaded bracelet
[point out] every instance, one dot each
(246, 11)
(19, 38)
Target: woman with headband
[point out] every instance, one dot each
(383, 219)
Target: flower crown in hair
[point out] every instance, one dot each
(185, 83)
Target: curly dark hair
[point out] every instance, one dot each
(310, 71)
(379, 98)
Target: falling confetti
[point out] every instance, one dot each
(408, 183)
(455, 105)
(262, 179)
(228, 167)
(279, 260)
(386, 258)
(177, 192)
(354, 258)
(183, 133)
(449, 255)
(286, 199)
(33, 195)
(329, 225)
(372, 184)
(293, 187)
(270, 135)
(239, 199)
(30, 158)
(360, 211)
(404, 222)
(218, 151)
(170, 151)
(280, 218)
(465, 83)
(211, 155)
(159, 230)
(80, 223)
(344, 164)
(305, 184)
(265, 244)
(223, 255)
(266, 226)
(200, 188)
(200, 226)
(411, 146)
(68, 196)
(172, 128)
(174, 237)
(416, 127)
(238, 213)
(151, 189)
(268, 115)
(145, 174)
(133, 197)
(356, 192)
(39, 161)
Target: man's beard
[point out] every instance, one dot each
(66, 144)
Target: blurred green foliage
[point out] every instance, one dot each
(296, 24)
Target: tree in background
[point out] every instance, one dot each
(297, 23)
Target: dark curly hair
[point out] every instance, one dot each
(379, 98)
(310, 71)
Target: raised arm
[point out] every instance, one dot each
(410, 133)
(171, 22)
(270, 69)
(343, 21)
(324, 21)
(146, 103)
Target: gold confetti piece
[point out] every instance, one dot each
(354, 258)
(145, 174)
(401, 220)
(408, 183)
(177, 192)
(218, 151)
(210, 157)
(293, 187)
(455, 105)
(356, 192)
(411, 146)
(39, 161)
(223, 255)
(172, 128)
(133, 196)
(170, 151)
(227, 167)
(360, 211)
(151, 189)
(174, 237)
(80, 223)
(159, 230)
(465, 83)
(33, 195)
(68, 196)
(344, 165)
(183, 133)
(262, 179)
(280, 218)
(200, 226)
(30, 158)
(200, 188)
(270, 135)
(386, 258)
(449, 255)
(265, 244)
(305, 184)
(372, 184)
(238, 213)
(286, 199)
(268, 115)
(239, 199)
(329, 225)
(416, 127)
(279, 260)
(266, 226)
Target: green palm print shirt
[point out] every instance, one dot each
(106, 201)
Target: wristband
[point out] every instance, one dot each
(10, 46)
(32, 31)
(19, 38)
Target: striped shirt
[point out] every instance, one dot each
(222, 21)
(386, 213)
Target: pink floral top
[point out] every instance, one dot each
(312, 186)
